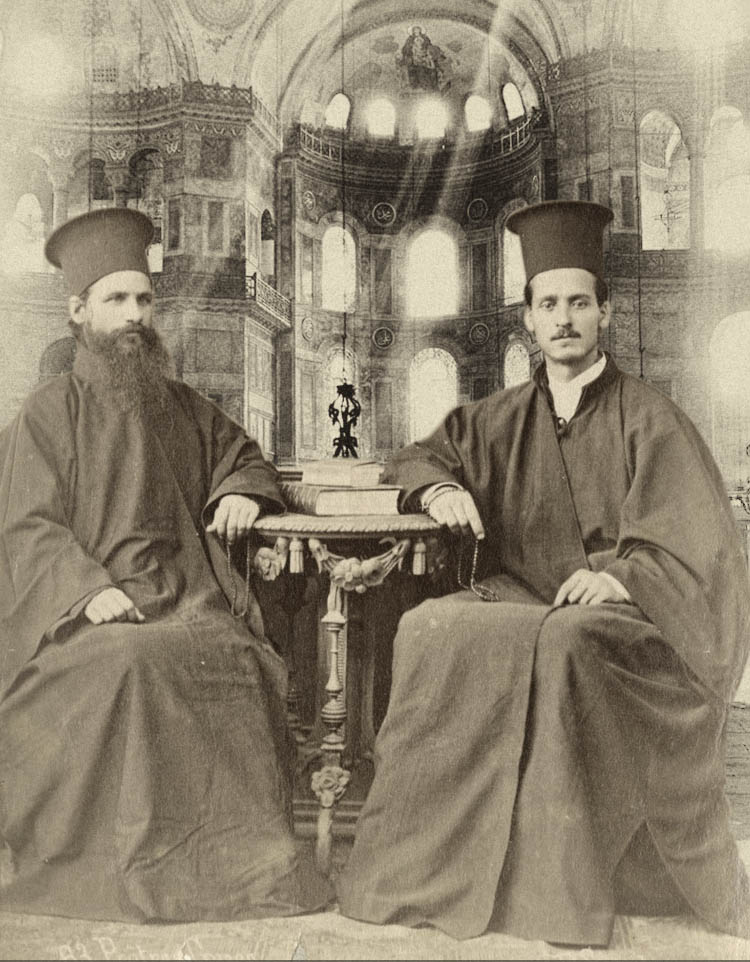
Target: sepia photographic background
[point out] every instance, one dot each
(330, 182)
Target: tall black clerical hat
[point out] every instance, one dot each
(99, 243)
(561, 233)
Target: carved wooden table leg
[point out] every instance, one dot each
(329, 783)
(346, 574)
(292, 709)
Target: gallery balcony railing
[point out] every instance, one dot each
(328, 144)
(129, 108)
(269, 298)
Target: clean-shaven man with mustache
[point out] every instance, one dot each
(553, 750)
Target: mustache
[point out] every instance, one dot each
(563, 334)
(147, 334)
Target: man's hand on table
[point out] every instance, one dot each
(234, 517)
(455, 508)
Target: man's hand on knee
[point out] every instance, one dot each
(111, 604)
(586, 587)
(234, 517)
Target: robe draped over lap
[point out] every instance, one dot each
(541, 768)
(145, 769)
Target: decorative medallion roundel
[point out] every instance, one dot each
(384, 214)
(479, 334)
(307, 327)
(221, 14)
(382, 337)
(477, 209)
(309, 201)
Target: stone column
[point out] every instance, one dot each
(286, 348)
(60, 176)
(121, 181)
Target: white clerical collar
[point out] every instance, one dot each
(567, 394)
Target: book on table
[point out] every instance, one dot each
(334, 472)
(328, 499)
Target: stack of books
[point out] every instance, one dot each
(338, 487)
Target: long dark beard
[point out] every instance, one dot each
(136, 364)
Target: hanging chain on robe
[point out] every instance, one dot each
(230, 572)
(482, 592)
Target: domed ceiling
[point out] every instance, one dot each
(56, 48)
(290, 51)
(430, 56)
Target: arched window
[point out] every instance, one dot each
(431, 119)
(22, 247)
(664, 184)
(433, 390)
(514, 274)
(514, 107)
(337, 111)
(432, 275)
(729, 353)
(104, 68)
(727, 183)
(516, 364)
(381, 118)
(477, 113)
(89, 188)
(339, 274)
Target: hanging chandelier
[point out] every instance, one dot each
(344, 410)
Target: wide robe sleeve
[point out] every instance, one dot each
(238, 467)
(44, 571)
(679, 554)
(440, 457)
(677, 548)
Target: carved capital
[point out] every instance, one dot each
(63, 146)
(118, 148)
(60, 173)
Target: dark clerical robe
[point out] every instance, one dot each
(145, 769)
(541, 768)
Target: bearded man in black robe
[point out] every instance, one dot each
(553, 750)
(145, 761)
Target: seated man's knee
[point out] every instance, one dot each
(568, 633)
(422, 622)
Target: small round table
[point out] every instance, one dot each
(402, 536)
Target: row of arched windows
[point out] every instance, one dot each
(431, 116)
(432, 272)
(23, 234)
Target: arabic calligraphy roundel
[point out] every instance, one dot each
(384, 214)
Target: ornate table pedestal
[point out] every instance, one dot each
(408, 542)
